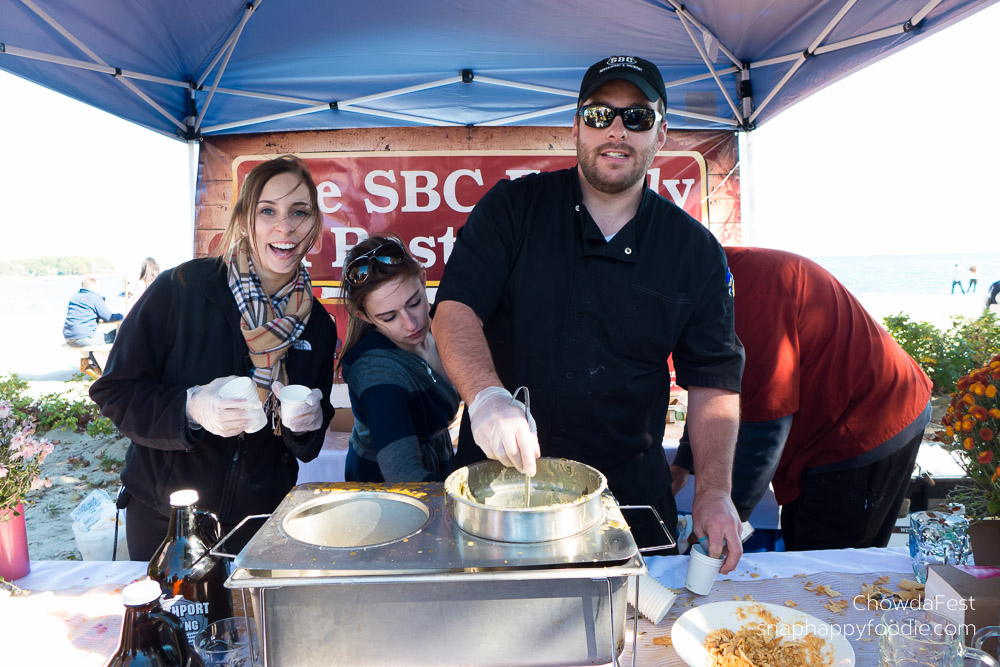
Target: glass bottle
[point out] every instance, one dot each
(151, 637)
(192, 580)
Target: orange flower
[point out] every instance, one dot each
(991, 391)
(968, 443)
(995, 364)
(969, 398)
(979, 412)
(966, 425)
(950, 432)
(995, 413)
(951, 409)
(986, 434)
(985, 457)
(978, 388)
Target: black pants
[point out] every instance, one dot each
(645, 480)
(850, 508)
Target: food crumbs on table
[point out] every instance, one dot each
(754, 575)
(663, 641)
(791, 603)
(761, 642)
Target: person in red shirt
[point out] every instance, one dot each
(832, 410)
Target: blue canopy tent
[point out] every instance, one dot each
(190, 68)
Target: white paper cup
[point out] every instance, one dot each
(293, 394)
(239, 388)
(244, 387)
(702, 570)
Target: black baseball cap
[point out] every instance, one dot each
(638, 71)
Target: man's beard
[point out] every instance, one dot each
(614, 182)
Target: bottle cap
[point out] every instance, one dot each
(183, 498)
(140, 593)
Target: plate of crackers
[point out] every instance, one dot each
(747, 634)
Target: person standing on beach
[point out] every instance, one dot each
(973, 278)
(956, 279)
(86, 309)
(578, 284)
(248, 313)
(832, 410)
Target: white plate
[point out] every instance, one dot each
(693, 626)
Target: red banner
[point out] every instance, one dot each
(425, 197)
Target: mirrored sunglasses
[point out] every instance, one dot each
(390, 253)
(636, 119)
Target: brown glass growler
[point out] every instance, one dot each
(192, 580)
(151, 637)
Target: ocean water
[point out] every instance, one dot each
(919, 285)
(910, 274)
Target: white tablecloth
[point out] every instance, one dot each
(72, 615)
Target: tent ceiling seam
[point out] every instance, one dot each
(199, 82)
(802, 58)
(709, 65)
(233, 41)
(116, 72)
(683, 12)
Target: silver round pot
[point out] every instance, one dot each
(488, 500)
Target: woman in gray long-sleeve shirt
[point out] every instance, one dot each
(402, 400)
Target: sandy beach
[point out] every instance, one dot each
(80, 463)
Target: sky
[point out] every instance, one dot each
(871, 165)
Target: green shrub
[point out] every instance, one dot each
(12, 388)
(947, 355)
(70, 409)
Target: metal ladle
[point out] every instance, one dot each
(527, 416)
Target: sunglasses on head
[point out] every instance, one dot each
(637, 119)
(390, 253)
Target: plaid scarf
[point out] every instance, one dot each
(270, 325)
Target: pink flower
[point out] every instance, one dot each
(3, 471)
(5, 409)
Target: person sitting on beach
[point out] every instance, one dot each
(973, 278)
(402, 400)
(86, 309)
(247, 313)
(956, 279)
(832, 410)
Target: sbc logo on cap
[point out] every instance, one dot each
(621, 60)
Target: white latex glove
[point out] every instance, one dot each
(300, 417)
(222, 416)
(501, 430)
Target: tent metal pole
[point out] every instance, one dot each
(699, 77)
(193, 192)
(235, 38)
(93, 67)
(682, 12)
(97, 59)
(398, 116)
(264, 119)
(709, 65)
(802, 58)
(528, 116)
(525, 86)
(918, 18)
(860, 39)
(702, 116)
(232, 36)
(400, 91)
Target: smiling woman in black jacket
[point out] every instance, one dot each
(248, 313)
